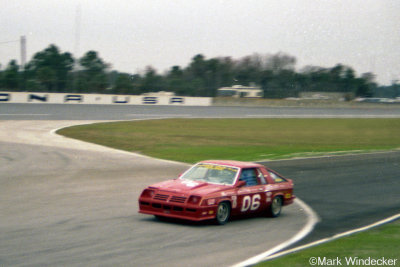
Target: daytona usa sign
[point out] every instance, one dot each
(65, 98)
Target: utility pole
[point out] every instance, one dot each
(78, 15)
(23, 62)
(23, 52)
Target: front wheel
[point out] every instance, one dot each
(223, 213)
(276, 207)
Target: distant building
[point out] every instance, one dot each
(240, 91)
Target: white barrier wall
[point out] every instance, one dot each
(68, 98)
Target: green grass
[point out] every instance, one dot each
(377, 243)
(192, 140)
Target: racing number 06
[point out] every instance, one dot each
(251, 203)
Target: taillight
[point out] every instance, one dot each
(148, 193)
(194, 200)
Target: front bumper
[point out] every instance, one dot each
(179, 211)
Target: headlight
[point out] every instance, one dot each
(147, 193)
(194, 199)
(211, 201)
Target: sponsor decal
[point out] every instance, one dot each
(234, 202)
(268, 196)
(189, 183)
(218, 167)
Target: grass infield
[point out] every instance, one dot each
(380, 244)
(192, 140)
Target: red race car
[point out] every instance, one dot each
(217, 190)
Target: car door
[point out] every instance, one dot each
(251, 196)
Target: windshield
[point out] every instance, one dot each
(211, 173)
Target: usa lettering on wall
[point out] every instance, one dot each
(103, 99)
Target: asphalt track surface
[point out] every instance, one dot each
(73, 204)
(120, 112)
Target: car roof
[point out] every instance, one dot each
(234, 163)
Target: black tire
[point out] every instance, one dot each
(276, 207)
(223, 213)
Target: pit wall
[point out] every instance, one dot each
(102, 99)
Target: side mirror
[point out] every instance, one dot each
(241, 183)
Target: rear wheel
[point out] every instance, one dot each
(223, 213)
(276, 207)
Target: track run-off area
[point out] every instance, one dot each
(66, 202)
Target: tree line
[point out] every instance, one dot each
(51, 70)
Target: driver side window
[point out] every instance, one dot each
(249, 176)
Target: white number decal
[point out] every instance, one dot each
(256, 202)
(251, 204)
(246, 203)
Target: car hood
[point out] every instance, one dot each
(190, 187)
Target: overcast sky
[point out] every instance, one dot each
(132, 34)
